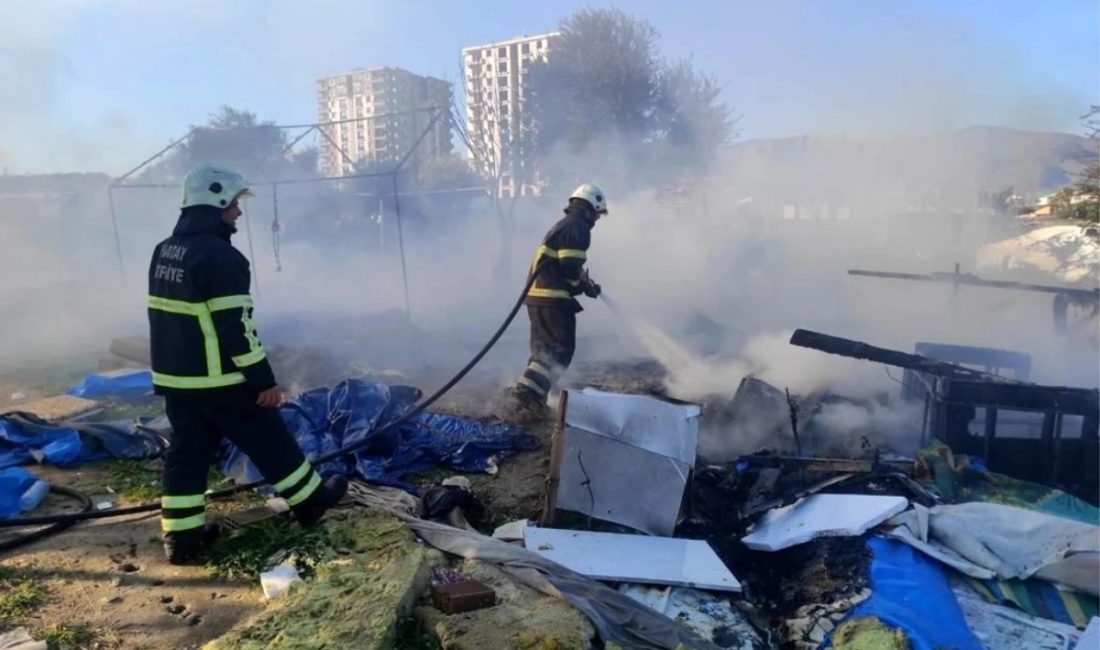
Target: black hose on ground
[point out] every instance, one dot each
(52, 529)
(60, 522)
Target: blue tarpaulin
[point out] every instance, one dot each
(324, 420)
(66, 444)
(321, 420)
(910, 591)
(117, 384)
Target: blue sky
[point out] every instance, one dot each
(97, 85)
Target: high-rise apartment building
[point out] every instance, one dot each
(390, 97)
(495, 83)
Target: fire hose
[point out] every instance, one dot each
(57, 523)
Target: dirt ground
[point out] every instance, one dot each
(110, 576)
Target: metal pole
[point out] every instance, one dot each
(152, 158)
(401, 243)
(344, 154)
(252, 255)
(118, 242)
(381, 227)
(955, 293)
(276, 227)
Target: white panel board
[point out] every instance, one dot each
(615, 481)
(634, 558)
(822, 515)
(649, 423)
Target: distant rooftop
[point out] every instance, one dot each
(513, 41)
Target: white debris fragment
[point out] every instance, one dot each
(458, 481)
(822, 515)
(278, 580)
(511, 531)
(20, 639)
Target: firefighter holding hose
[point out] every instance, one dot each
(551, 302)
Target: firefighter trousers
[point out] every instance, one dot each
(199, 423)
(553, 342)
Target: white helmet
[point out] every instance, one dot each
(593, 195)
(212, 185)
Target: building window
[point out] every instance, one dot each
(502, 66)
(526, 48)
(502, 51)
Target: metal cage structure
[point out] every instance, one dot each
(437, 113)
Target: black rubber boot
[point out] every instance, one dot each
(310, 511)
(528, 407)
(185, 547)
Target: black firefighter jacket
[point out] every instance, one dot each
(562, 255)
(200, 311)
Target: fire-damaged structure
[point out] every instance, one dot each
(1034, 432)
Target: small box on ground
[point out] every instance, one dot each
(459, 597)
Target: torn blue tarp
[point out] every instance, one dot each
(24, 437)
(353, 411)
(910, 591)
(119, 383)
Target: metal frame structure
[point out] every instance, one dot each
(953, 394)
(438, 112)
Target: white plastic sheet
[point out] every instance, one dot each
(984, 540)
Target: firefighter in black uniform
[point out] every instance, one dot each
(551, 304)
(210, 367)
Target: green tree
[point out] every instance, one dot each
(605, 87)
(447, 173)
(234, 138)
(1062, 201)
(601, 78)
(691, 116)
(1087, 187)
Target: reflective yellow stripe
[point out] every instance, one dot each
(303, 494)
(561, 254)
(210, 342)
(201, 310)
(532, 385)
(250, 331)
(187, 523)
(173, 381)
(229, 302)
(178, 306)
(536, 292)
(294, 477)
(539, 368)
(1073, 608)
(188, 501)
(249, 358)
